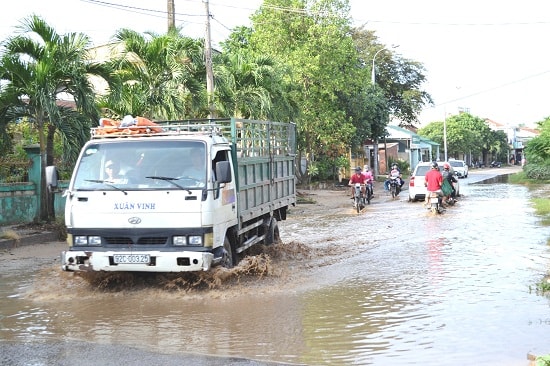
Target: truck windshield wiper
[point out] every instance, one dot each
(169, 180)
(107, 184)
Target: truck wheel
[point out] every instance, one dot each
(272, 235)
(230, 256)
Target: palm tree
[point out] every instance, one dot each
(163, 76)
(40, 71)
(250, 86)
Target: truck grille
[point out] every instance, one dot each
(122, 240)
(159, 240)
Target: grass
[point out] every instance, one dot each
(542, 209)
(9, 234)
(521, 178)
(540, 204)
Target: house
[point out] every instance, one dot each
(412, 147)
(517, 138)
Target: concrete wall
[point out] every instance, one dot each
(19, 202)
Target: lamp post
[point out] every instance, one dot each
(373, 73)
(373, 82)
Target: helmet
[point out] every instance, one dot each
(366, 168)
(394, 166)
(434, 165)
(358, 169)
(446, 166)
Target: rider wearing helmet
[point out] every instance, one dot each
(433, 181)
(358, 177)
(369, 178)
(394, 173)
(448, 175)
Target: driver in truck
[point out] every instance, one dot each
(112, 171)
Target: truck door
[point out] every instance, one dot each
(225, 194)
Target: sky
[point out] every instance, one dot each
(486, 57)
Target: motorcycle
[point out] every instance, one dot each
(358, 198)
(433, 203)
(395, 187)
(369, 192)
(495, 164)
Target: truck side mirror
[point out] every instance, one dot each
(223, 172)
(51, 177)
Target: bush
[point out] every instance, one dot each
(404, 166)
(539, 172)
(326, 168)
(14, 170)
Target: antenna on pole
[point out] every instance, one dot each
(208, 63)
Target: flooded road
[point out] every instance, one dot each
(394, 285)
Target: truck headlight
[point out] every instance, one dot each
(87, 240)
(94, 240)
(179, 240)
(80, 240)
(195, 240)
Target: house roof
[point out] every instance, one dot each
(396, 132)
(400, 133)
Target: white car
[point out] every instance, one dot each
(460, 167)
(417, 190)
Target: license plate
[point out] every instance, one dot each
(131, 258)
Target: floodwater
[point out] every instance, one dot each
(393, 285)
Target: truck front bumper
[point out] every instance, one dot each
(185, 261)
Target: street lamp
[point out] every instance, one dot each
(373, 73)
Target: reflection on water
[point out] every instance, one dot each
(398, 286)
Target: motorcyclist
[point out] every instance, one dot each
(358, 177)
(394, 173)
(451, 179)
(433, 182)
(369, 177)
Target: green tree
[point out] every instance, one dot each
(250, 86)
(538, 148)
(312, 39)
(39, 71)
(162, 76)
(537, 153)
(467, 134)
(400, 79)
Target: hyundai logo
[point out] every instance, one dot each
(134, 220)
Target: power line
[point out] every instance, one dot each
(504, 24)
(134, 9)
(493, 88)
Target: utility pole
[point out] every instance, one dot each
(208, 63)
(375, 144)
(376, 140)
(171, 14)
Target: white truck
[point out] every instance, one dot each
(189, 195)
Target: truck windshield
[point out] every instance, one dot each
(141, 164)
